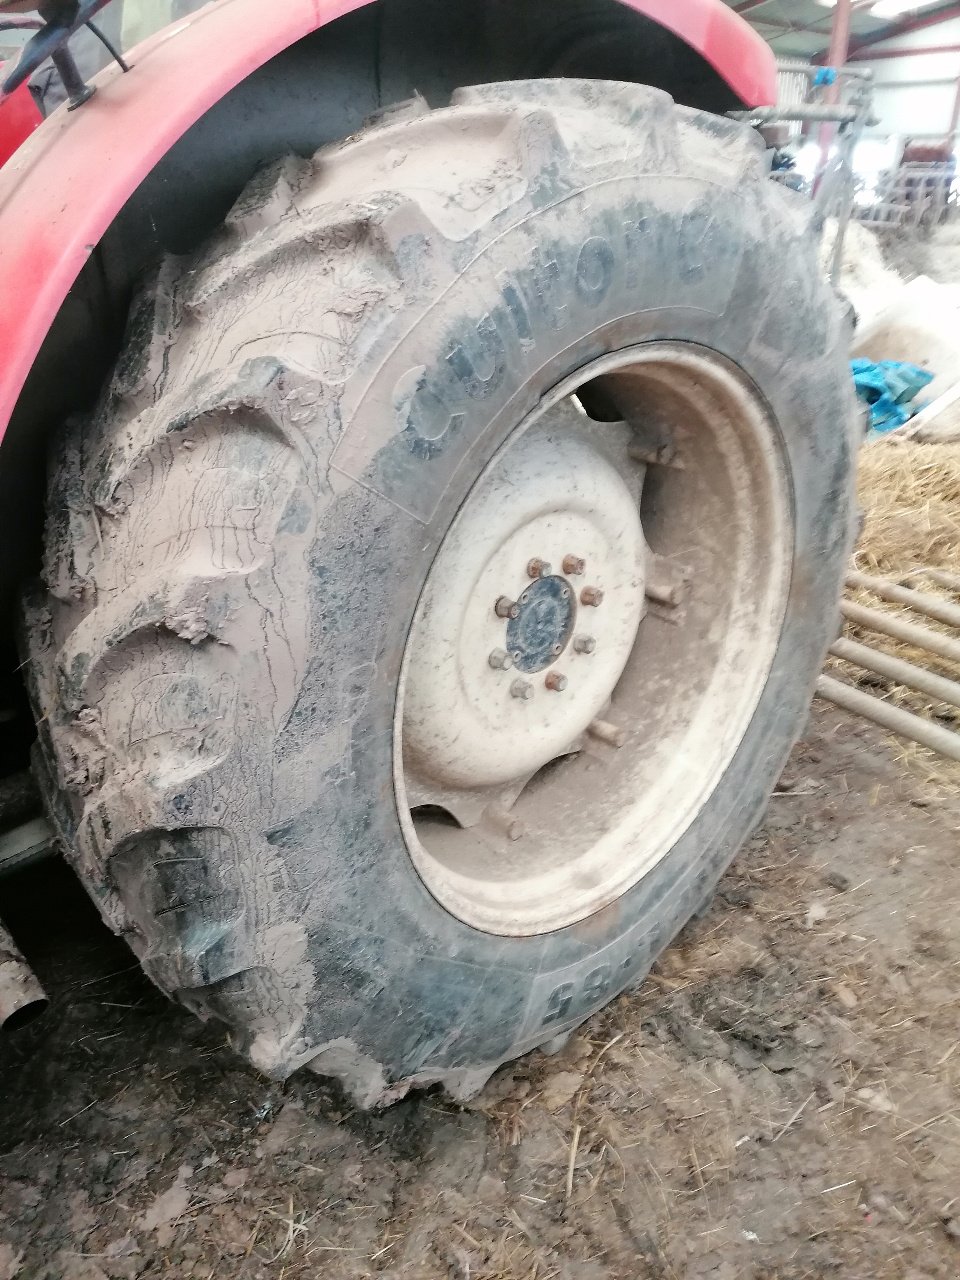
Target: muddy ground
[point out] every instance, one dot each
(780, 1100)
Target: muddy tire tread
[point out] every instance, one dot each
(137, 606)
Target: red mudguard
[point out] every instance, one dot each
(19, 116)
(68, 180)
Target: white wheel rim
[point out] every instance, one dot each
(478, 708)
(546, 762)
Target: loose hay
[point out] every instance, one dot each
(910, 496)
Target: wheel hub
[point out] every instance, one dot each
(543, 627)
(503, 676)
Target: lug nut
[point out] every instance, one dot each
(522, 689)
(591, 596)
(573, 566)
(539, 569)
(585, 644)
(555, 682)
(500, 660)
(507, 608)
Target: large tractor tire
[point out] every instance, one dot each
(437, 591)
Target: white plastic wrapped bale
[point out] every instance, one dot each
(920, 322)
(939, 422)
(864, 277)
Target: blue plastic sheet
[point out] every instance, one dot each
(890, 388)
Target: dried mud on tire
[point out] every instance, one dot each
(237, 542)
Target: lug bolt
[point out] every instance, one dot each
(591, 596)
(555, 682)
(539, 569)
(522, 689)
(609, 733)
(504, 822)
(500, 660)
(507, 608)
(573, 566)
(585, 644)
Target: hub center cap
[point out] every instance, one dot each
(541, 631)
(510, 661)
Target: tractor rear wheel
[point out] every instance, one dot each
(437, 591)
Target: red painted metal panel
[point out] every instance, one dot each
(19, 116)
(64, 186)
(732, 47)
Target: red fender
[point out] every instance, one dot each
(67, 182)
(19, 116)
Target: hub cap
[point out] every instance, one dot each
(541, 631)
(592, 640)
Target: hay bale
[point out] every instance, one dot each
(910, 494)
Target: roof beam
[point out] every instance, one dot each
(820, 26)
(918, 23)
(904, 51)
(785, 28)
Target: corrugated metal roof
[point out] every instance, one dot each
(801, 28)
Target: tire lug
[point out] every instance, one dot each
(539, 569)
(506, 608)
(591, 596)
(500, 660)
(585, 644)
(574, 566)
(555, 682)
(522, 689)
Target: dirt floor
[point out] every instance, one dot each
(780, 1100)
